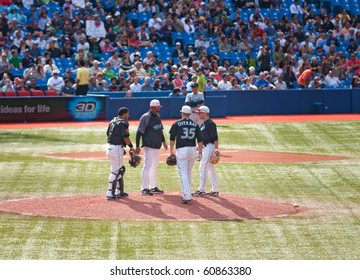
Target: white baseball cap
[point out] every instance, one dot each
(155, 103)
(203, 109)
(56, 71)
(186, 109)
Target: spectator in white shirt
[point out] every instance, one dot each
(27, 3)
(189, 27)
(276, 71)
(155, 22)
(55, 82)
(295, 8)
(200, 42)
(280, 84)
(83, 45)
(144, 7)
(331, 80)
(224, 84)
(135, 86)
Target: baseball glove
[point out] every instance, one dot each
(134, 160)
(171, 160)
(215, 157)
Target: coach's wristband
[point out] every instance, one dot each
(131, 145)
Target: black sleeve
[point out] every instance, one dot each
(138, 136)
(198, 134)
(213, 132)
(172, 133)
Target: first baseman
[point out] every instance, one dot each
(150, 130)
(185, 133)
(195, 99)
(117, 139)
(210, 144)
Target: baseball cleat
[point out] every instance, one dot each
(186, 201)
(199, 193)
(146, 192)
(124, 194)
(214, 193)
(156, 190)
(110, 195)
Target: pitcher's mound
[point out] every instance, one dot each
(157, 207)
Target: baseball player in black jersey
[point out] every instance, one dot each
(185, 133)
(118, 137)
(210, 144)
(150, 130)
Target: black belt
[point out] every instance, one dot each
(122, 146)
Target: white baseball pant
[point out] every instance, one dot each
(185, 159)
(206, 167)
(151, 162)
(115, 153)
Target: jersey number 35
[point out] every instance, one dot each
(188, 133)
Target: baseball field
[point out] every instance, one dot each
(324, 187)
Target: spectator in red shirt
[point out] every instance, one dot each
(306, 77)
(257, 31)
(353, 64)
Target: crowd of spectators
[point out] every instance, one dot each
(221, 45)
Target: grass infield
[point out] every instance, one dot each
(328, 230)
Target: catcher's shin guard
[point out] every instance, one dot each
(120, 183)
(112, 182)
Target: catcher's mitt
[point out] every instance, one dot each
(215, 157)
(171, 160)
(134, 160)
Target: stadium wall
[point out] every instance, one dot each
(103, 106)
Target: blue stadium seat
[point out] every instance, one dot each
(105, 56)
(143, 17)
(177, 37)
(188, 39)
(17, 72)
(134, 18)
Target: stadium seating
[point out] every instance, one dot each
(50, 92)
(37, 93)
(9, 93)
(24, 93)
(133, 17)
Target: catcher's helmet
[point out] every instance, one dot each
(134, 160)
(171, 160)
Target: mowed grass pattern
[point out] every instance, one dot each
(329, 190)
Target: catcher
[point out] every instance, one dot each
(210, 154)
(118, 137)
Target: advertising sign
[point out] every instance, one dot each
(84, 108)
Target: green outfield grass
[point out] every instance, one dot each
(330, 190)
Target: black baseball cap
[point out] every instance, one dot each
(194, 85)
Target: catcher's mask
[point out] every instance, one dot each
(134, 160)
(171, 160)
